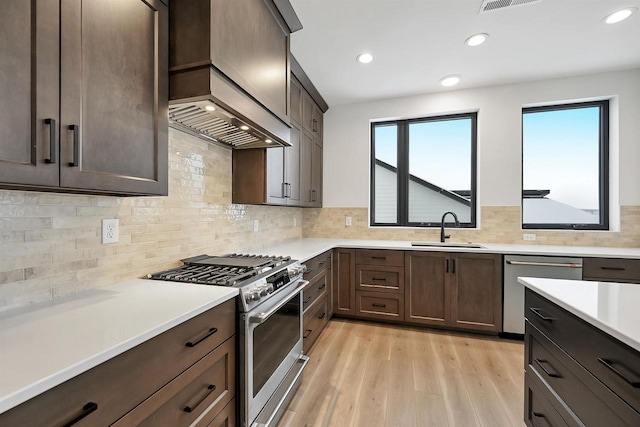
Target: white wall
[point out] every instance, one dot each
(347, 127)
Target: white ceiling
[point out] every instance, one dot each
(417, 42)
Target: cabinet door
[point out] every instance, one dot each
(114, 92)
(316, 174)
(276, 190)
(292, 168)
(29, 90)
(476, 291)
(316, 123)
(296, 101)
(307, 111)
(344, 286)
(306, 169)
(427, 295)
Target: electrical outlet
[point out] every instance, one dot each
(256, 225)
(110, 232)
(347, 221)
(529, 237)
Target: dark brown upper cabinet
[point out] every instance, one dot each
(85, 88)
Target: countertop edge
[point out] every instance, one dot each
(604, 327)
(22, 395)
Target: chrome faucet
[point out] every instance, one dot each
(443, 236)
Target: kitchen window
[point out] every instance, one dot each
(565, 166)
(422, 168)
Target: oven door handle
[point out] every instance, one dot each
(260, 318)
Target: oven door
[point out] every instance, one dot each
(272, 344)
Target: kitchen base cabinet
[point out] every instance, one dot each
(380, 305)
(315, 320)
(226, 417)
(611, 270)
(559, 350)
(316, 297)
(461, 291)
(112, 389)
(344, 275)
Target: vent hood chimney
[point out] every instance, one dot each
(229, 70)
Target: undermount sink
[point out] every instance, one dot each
(449, 245)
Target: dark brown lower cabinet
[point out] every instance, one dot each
(611, 270)
(380, 305)
(316, 298)
(344, 287)
(154, 381)
(315, 320)
(559, 350)
(462, 291)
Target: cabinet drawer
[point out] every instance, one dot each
(538, 411)
(611, 269)
(317, 287)
(120, 384)
(380, 278)
(317, 265)
(377, 305)
(591, 402)
(315, 319)
(379, 257)
(206, 386)
(226, 417)
(598, 352)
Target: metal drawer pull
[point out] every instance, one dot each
(309, 298)
(308, 270)
(378, 257)
(86, 410)
(379, 305)
(545, 264)
(536, 311)
(321, 263)
(190, 409)
(453, 265)
(380, 279)
(614, 268)
(324, 285)
(541, 363)
(307, 332)
(322, 316)
(211, 332)
(76, 145)
(52, 140)
(609, 364)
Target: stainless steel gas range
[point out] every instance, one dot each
(270, 306)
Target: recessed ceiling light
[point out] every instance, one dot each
(268, 141)
(210, 108)
(619, 15)
(364, 58)
(450, 80)
(476, 39)
(244, 127)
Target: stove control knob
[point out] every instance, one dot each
(270, 288)
(252, 296)
(262, 290)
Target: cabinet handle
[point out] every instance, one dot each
(307, 300)
(210, 389)
(76, 145)
(537, 415)
(378, 257)
(536, 311)
(284, 190)
(453, 265)
(315, 125)
(446, 266)
(379, 279)
(86, 410)
(609, 364)
(208, 334)
(307, 332)
(614, 268)
(307, 271)
(289, 185)
(379, 305)
(313, 195)
(553, 374)
(322, 316)
(321, 263)
(52, 140)
(324, 285)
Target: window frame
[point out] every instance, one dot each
(402, 208)
(603, 165)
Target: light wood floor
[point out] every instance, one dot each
(371, 374)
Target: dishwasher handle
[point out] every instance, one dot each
(545, 264)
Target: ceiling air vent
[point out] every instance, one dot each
(491, 5)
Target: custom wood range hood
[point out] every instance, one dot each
(229, 70)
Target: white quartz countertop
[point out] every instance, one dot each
(610, 307)
(304, 249)
(44, 345)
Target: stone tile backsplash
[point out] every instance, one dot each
(499, 224)
(50, 243)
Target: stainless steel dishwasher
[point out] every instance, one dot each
(515, 266)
